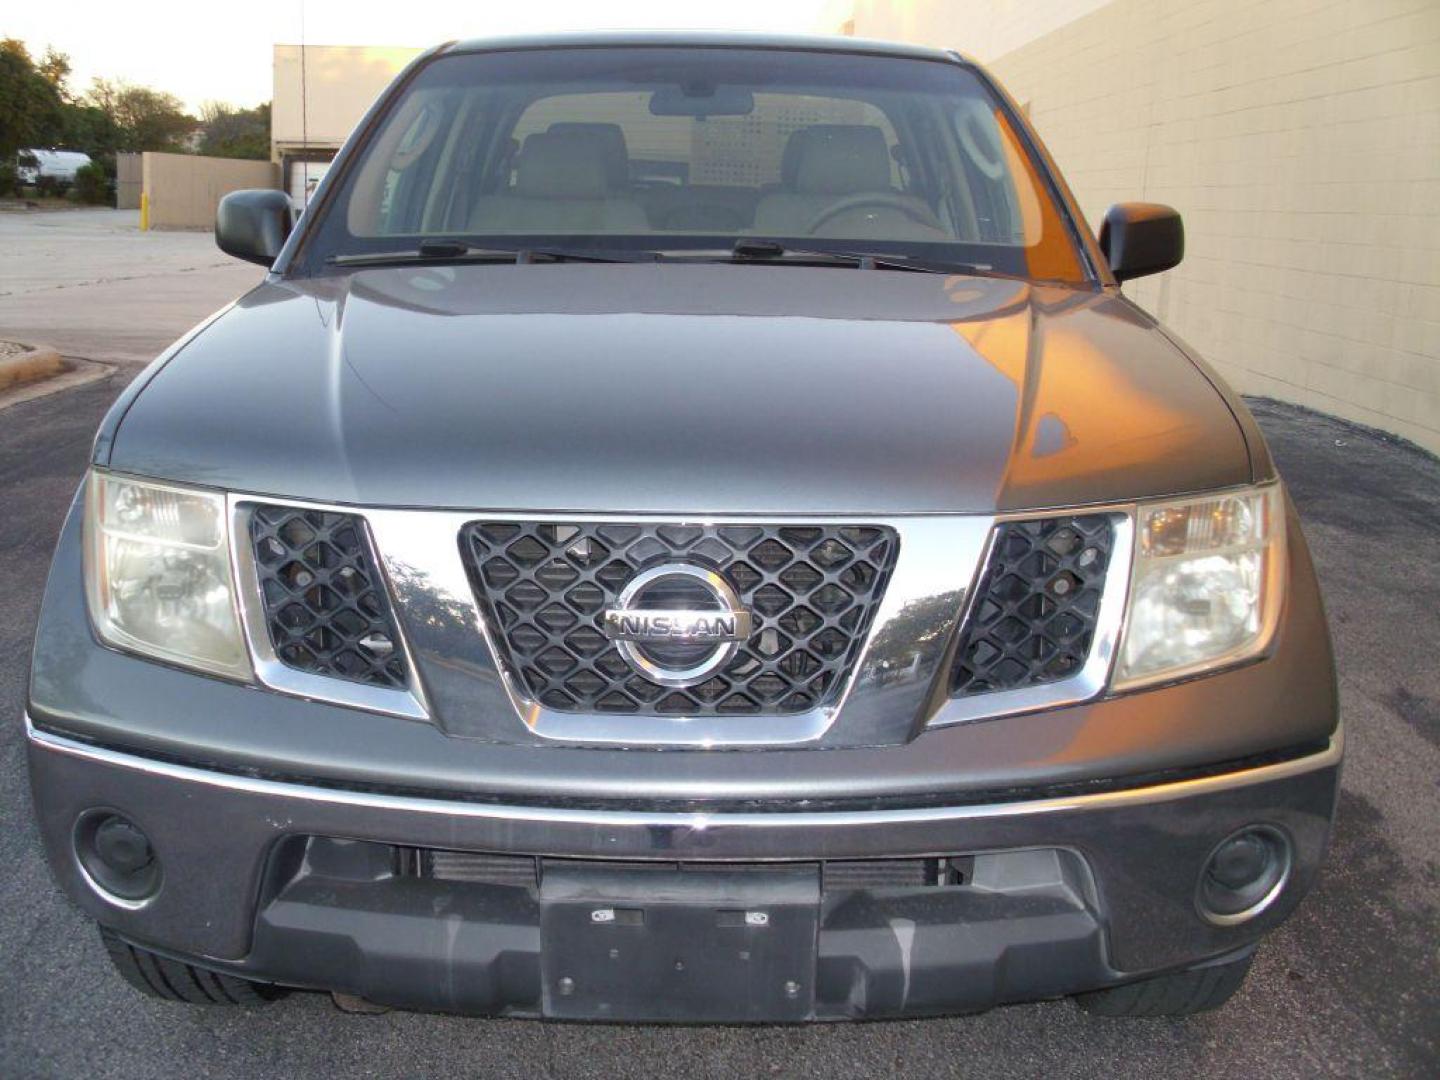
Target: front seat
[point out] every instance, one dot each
(561, 186)
(610, 138)
(824, 165)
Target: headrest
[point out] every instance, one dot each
(837, 159)
(790, 156)
(560, 166)
(611, 140)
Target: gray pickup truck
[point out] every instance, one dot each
(688, 529)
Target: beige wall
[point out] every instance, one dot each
(182, 190)
(1300, 139)
(129, 180)
(981, 29)
(340, 83)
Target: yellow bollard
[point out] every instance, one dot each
(144, 211)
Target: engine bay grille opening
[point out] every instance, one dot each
(478, 867)
(812, 591)
(837, 875)
(326, 608)
(1034, 614)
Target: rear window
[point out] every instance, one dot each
(693, 149)
(741, 151)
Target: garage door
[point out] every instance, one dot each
(302, 176)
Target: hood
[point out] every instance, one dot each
(720, 389)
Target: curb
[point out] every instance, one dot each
(27, 363)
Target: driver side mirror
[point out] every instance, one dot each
(1141, 238)
(252, 225)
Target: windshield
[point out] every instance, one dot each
(692, 150)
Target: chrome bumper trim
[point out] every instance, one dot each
(697, 822)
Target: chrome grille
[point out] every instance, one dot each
(1034, 615)
(544, 588)
(326, 610)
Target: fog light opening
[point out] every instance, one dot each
(1243, 875)
(116, 858)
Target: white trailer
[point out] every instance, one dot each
(58, 165)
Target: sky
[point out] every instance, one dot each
(204, 51)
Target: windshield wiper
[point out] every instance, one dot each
(772, 251)
(444, 250)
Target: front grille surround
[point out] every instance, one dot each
(942, 557)
(543, 587)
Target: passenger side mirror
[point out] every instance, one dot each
(253, 224)
(1141, 238)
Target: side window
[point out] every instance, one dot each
(1036, 223)
(402, 195)
(984, 156)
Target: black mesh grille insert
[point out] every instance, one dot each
(1033, 618)
(812, 590)
(325, 605)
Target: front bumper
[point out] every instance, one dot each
(1069, 893)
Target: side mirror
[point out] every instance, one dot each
(1141, 238)
(253, 224)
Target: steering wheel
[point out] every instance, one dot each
(919, 215)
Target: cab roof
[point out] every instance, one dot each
(705, 39)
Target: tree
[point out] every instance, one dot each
(38, 109)
(54, 68)
(91, 129)
(83, 126)
(91, 185)
(146, 119)
(31, 109)
(235, 133)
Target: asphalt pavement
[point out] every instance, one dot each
(1349, 987)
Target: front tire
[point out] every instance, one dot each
(1183, 993)
(170, 980)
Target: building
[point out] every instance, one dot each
(318, 98)
(1298, 138)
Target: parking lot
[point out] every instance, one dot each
(1350, 986)
(91, 284)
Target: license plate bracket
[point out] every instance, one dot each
(668, 944)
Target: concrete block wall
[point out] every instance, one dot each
(1301, 141)
(182, 190)
(129, 181)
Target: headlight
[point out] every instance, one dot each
(157, 573)
(1205, 585)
